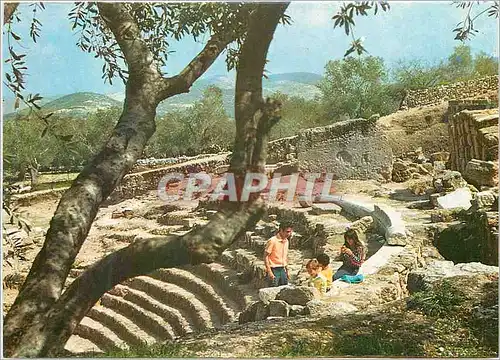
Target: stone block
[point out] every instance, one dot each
(269, 293)
(299, 295)
(482, 173)
(445, 215)
(327, 208)
(423, 278)
(487, 200)
(400, 172)
(460, 198)
(439, 166)
(254, 312)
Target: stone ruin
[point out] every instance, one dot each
(458, 90)
(451, 204)
(351, 149)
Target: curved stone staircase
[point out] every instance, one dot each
(164, 305)
(171, 303)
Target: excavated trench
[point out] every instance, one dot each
(172, 303)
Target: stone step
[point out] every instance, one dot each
(203, 291)
(192, 309)
(123, 327)
(257, 244)
(227, 279)
(79, 346)
(153, 324)
(174, 317)
(100, 335)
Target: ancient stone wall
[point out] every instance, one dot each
(352, 149)
(142, 182)
(459, 90)
(473, 134)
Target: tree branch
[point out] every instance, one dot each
(79, 204)
(8, 11)
(128, 35)
(182, 82)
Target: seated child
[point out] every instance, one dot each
(324, 262)
(317, 279)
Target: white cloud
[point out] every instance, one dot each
(312, 13)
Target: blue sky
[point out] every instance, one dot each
(410, 30)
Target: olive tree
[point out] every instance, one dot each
(131, 38)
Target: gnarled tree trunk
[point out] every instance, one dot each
(41, 320)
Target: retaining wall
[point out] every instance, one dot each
(458, 90)
(353, 149)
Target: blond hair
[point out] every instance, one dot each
(313, 264)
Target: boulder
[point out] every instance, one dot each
(482, 173)
(452, 180)
(460, 198)
(433, 199)
(423, 278)
(262, 312)
(299, 295)
(421, 187)
(317, 308)
(278, 308)
(254, 312)
(426, 168)
(445, 215)
(400, 172)
(487, 200)
(269, 293)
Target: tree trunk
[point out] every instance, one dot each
(78, 206)
(48, 336)
(8, 11)
(254, 117)
(41, 320)
(34, 167)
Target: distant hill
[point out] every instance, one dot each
(76, 104)
(300, 77)
(8, 103)
(300, 84)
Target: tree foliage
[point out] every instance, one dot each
(297, 114)
(460, 65)
(202, 128)
(43, 316)
(355, 87)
